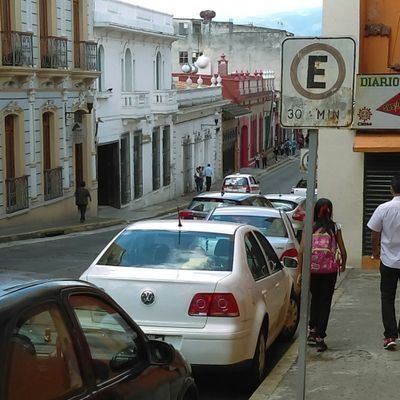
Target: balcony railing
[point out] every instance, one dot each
(17, 194)
(17, 48)
(53, 183)
(54, 52)
(135, 104)
(164, 101)
(86, 56)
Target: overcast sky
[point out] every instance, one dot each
(226, 9)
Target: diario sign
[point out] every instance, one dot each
(377, 102)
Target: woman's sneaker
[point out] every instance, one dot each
(321, 345)
(312, 338)
(389, 343)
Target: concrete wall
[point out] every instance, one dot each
(340, 170)
(247, 48)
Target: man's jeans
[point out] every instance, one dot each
(389, 279)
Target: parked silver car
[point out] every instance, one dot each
(273, 223)
(295, 207)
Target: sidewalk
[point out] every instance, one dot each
(109, 216)
(355, 366)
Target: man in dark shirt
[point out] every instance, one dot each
(82, 197)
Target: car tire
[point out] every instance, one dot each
(292, 318)
(257, 369)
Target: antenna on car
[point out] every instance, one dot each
(179, 218)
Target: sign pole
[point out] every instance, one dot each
(305, 276)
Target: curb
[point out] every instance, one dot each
(50, 232)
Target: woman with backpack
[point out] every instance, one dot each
(326, 246)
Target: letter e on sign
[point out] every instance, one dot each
(317, 82)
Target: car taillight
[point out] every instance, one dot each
(185, 214)
(247, 189)
(289, 253)
(213, 305)
(298, 215)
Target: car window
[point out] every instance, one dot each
(284, 205)
(170, 250)
(43, 363)
(235, 181)
(269, 226)
(114, 345)
(261, 202)
(252, 180)
(255, 258)
(209, 204)
(272, 258)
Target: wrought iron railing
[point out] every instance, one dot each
(54, 52)
(86, 57)
(17, 194)
(53, 183)
(17, 48)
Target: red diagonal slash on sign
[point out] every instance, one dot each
(392, 106)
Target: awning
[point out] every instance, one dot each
(233, 110)
(377, 142)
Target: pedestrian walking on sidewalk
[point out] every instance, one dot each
(198, 179)
(208, 173)
(82, 197)
(264, 158)
(385, 239)
(326, 245)
(257, 159)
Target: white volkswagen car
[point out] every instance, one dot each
(216, 291)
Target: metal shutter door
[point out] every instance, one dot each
(378, 171)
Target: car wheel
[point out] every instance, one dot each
(292, 318)
(258, 365)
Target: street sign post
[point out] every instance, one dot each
(317, 82)
(317, 91)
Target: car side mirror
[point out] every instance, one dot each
(290, 262)
(161, 353)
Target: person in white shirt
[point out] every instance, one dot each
(208, 173)
(385, 239)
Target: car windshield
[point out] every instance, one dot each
(269, 226)
(170, 250)
(209, 204)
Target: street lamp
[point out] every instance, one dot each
(89, 99)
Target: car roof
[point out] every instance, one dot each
(224, 195)
(247, 210)
(238, 175)
(185, 225)
(11, 282)
(285, 196)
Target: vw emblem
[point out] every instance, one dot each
(147, 297)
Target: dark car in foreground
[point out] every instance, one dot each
(67, 339)
(203, 203)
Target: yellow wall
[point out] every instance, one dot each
(379, 36)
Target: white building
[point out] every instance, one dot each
(365, 157)
(146, 142)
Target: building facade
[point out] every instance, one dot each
(366, 156)
(48, 65)
(150, 135)
(247, 47)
